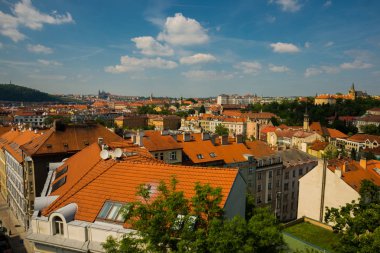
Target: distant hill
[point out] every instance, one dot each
(11, 92)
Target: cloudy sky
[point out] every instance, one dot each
(191, 48)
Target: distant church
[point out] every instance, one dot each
(331, 98)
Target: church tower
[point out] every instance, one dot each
(352, 91)
(306, 123)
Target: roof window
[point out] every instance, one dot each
(61, 172)
(111, 211)
(199, 156)
(212, 154)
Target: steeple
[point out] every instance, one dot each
(306, 122)
(353, 87)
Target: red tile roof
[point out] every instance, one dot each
(364, 137)
(72, 139)
(154, 141)
(92, 181)
(336, 133)
(259, 148)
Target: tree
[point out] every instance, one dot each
(221, 130)
(370, 129)
(202, 109)
(358, 223)
(274, 121)
(171, 223)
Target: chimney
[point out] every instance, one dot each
(239, 138)
(344, 167)
(133, 138)
(100, 141)
(205, 136)
(212, 138)
(224, 140)
(338, 172)
(139, 138)
(363, 162)
(186, 136)
(164, 132)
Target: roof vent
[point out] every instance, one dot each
(104, 154)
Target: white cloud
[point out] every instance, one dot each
(270, 19)
(307, 44)
(329, 44)
(327, 3)
(280, 47)
(330, 69)
(253, 67)
(356, 64)
(287, 5)
(312, 72)
(179, 30)
(25, 14)
(39, 49)
(149, 46)
(197, 58)
(207, 75)
(278, 69)
(49, 63)
(130, 64)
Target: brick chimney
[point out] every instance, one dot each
(224, 140)
(363, 162)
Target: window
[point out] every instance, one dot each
(61, 172)
(250, 170)
(58, 184)
(293, 195)
(269, 197)
(212, 154)
(270, 174)
(173, 155)
(278, 172)
(286, 175)
(286, 186)
(259, 188)
(258, 199)
(278, 183)
(58, 226)
(161, 156)
(199, 156)
(111, 211)
(259, 176)
(293, 184)
(269, 186)
(294, 173)
(300, 172)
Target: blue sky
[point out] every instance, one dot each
(191, 48)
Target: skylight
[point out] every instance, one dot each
(212, 154)
(111, 211)
(199, 156)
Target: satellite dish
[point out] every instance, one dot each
(104, 154)
(118, 153)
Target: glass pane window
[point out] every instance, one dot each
(103, 213)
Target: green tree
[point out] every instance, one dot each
(274, 121)
(370, 129)
(202, 109)
(358, 223)
(172, 223)
(221, 130)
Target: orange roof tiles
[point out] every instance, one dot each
(336, 133)
(364, 137)
(72, 139)
(319, 145)
(259, 148)
(118, 181)
(154, 141)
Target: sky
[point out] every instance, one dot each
(191, 48)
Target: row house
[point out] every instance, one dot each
(358, 142)
(33, 119)
(366, 120)
(79, 213)
(296, 164)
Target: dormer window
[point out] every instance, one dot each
(199, 156)
(58, 226)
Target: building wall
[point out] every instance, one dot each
(3, 176)
(235, 204)
(337, 192)
(166, 156)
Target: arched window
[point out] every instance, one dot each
(57, 226)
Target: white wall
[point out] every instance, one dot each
(337, 192)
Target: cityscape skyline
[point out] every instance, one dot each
(197, 49)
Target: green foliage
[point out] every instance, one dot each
(371, 129)
(11, 92)
(149, 109)
(191, 111)
(274, 121)
(221, 130)
(192, 100)
(159, 228)
(51, 118)
(202, 109)
(358, 224)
